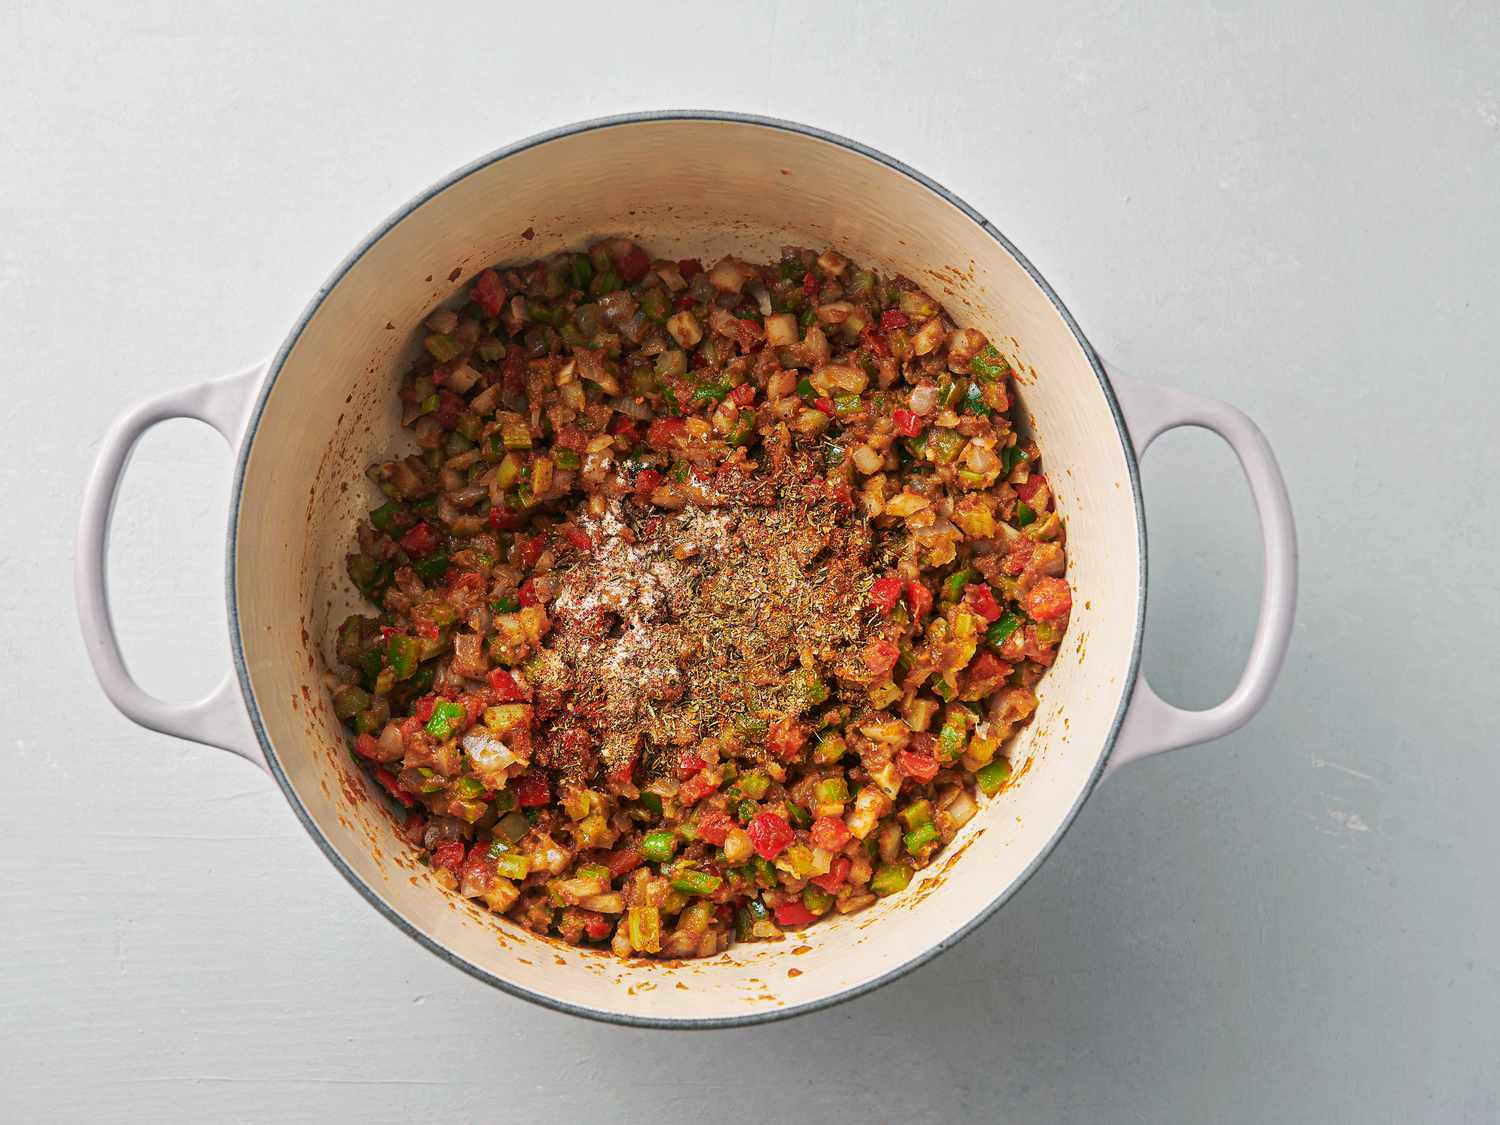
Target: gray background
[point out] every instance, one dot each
(1293, 207)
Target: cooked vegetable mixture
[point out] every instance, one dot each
(709, 599)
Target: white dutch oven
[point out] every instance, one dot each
(700, 185)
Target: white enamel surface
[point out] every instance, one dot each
(699, 188)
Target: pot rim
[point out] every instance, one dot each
(242, 672)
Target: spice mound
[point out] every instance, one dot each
(708, 599)
(708, 621)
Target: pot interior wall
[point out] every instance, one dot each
(684, 188)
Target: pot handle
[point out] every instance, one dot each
(219, 719)
(1152, 725)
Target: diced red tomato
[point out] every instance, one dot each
(571, 437)
(918, 767)
(647, 481)
(467, 580)
(700, 785)
(885, 594)
(770, 834)
(392, 786)
(919, 599)
(829, 833)
(690, 763)
(489, 292)
(634, 264)
(530, 550)
(666, 432)
(689, 268)
(809, 286)
(1049, 599)
(1019, 555)
(478, 866)
(793, 914)
(1035, 650)
(532, 790)
(786, 738)
(880, 656)
(420, 540)
(981, 599)
(622, 861)
(389, 631)
(622, 773)
(984, 675)
(623, 425)
(743, 395)
(1031, 486)
(364, 746)
(423, 708)
(907, 423)
(578, 538)
(873, 340)
(825, 404)
(513, 372)
(597, 926)
(449, 854)
(450, 408)
(838, 875)
(502, 519)
(714, 828)
(526, 594)
(505, 687)
(892, 319)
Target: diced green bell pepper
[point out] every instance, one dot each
(998, 633)
(469, 788)
(816, 899)
(754, 784)
(369, 574)
(945, 445)
(349, 700)
(953, 585)
(446, 717)
(890, 878)
(659, 846)
(401, 655)
(512, 864)
(582, 271)
(991, 778)
(989, 364)
(691, 882)
(390, 518)
(916, 814)
(444, 347)
(973, 401)
(432, 568)
(831, 791)
(919, 838)
(950, 742)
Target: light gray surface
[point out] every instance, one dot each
(1293, 209)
